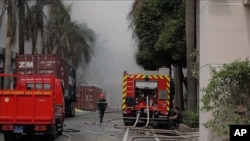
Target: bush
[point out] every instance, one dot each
(226, 96)
(191, 119)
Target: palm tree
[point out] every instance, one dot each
(191, 45)
(9, 7)
(35, 22)
(56, 25)
(70, 40)
(66, 38)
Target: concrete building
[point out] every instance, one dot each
(224, 37)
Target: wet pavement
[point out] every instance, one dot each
(86, 126)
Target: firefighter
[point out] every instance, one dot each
(102, 104)
(177, 118)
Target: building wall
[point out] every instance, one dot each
(224, 37)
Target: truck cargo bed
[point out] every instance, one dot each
(26, 107)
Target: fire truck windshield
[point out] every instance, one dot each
(38, 86)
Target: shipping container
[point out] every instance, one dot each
(50, 64)
(87, 97)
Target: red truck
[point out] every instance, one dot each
(50, 64)
(33, 104)
(146, 97)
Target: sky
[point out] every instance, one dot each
(114, 48)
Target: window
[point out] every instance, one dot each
(30, 86)
(38, 86)
(47, 86)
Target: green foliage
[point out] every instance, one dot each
(191, 119)
(159, 27)
(227, 90)
(171, 39)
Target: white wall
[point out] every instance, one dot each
(224, 37)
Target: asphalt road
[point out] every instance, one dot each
(86, 127)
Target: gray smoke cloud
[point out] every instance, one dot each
(114, 50)
(106, 70)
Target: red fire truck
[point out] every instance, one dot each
(32, 104)
(146, 98)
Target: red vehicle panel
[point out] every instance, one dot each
(26, 109)
(33, 103)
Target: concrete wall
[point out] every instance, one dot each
(224, 37)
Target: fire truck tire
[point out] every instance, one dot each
(155, 124)
(9, 136)
(126, 123)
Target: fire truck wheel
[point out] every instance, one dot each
(9, 136)
(126, 123)
(155, 124)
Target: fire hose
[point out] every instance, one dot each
(147, 112)
(136, 121)
(175, 135)
(157, 133)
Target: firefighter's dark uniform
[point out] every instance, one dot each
(102, 104)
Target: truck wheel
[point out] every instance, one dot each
(60, 128)
(52, 133)
(9, 136)
(60, 132)
(73, 113)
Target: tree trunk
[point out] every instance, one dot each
(21, 26)
(191, 44)
(7, 60)
(179, 99)
(39, 42)
(39, 24)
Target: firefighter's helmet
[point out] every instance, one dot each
(101, 96)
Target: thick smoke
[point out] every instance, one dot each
(106, 70)
(114, 49)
